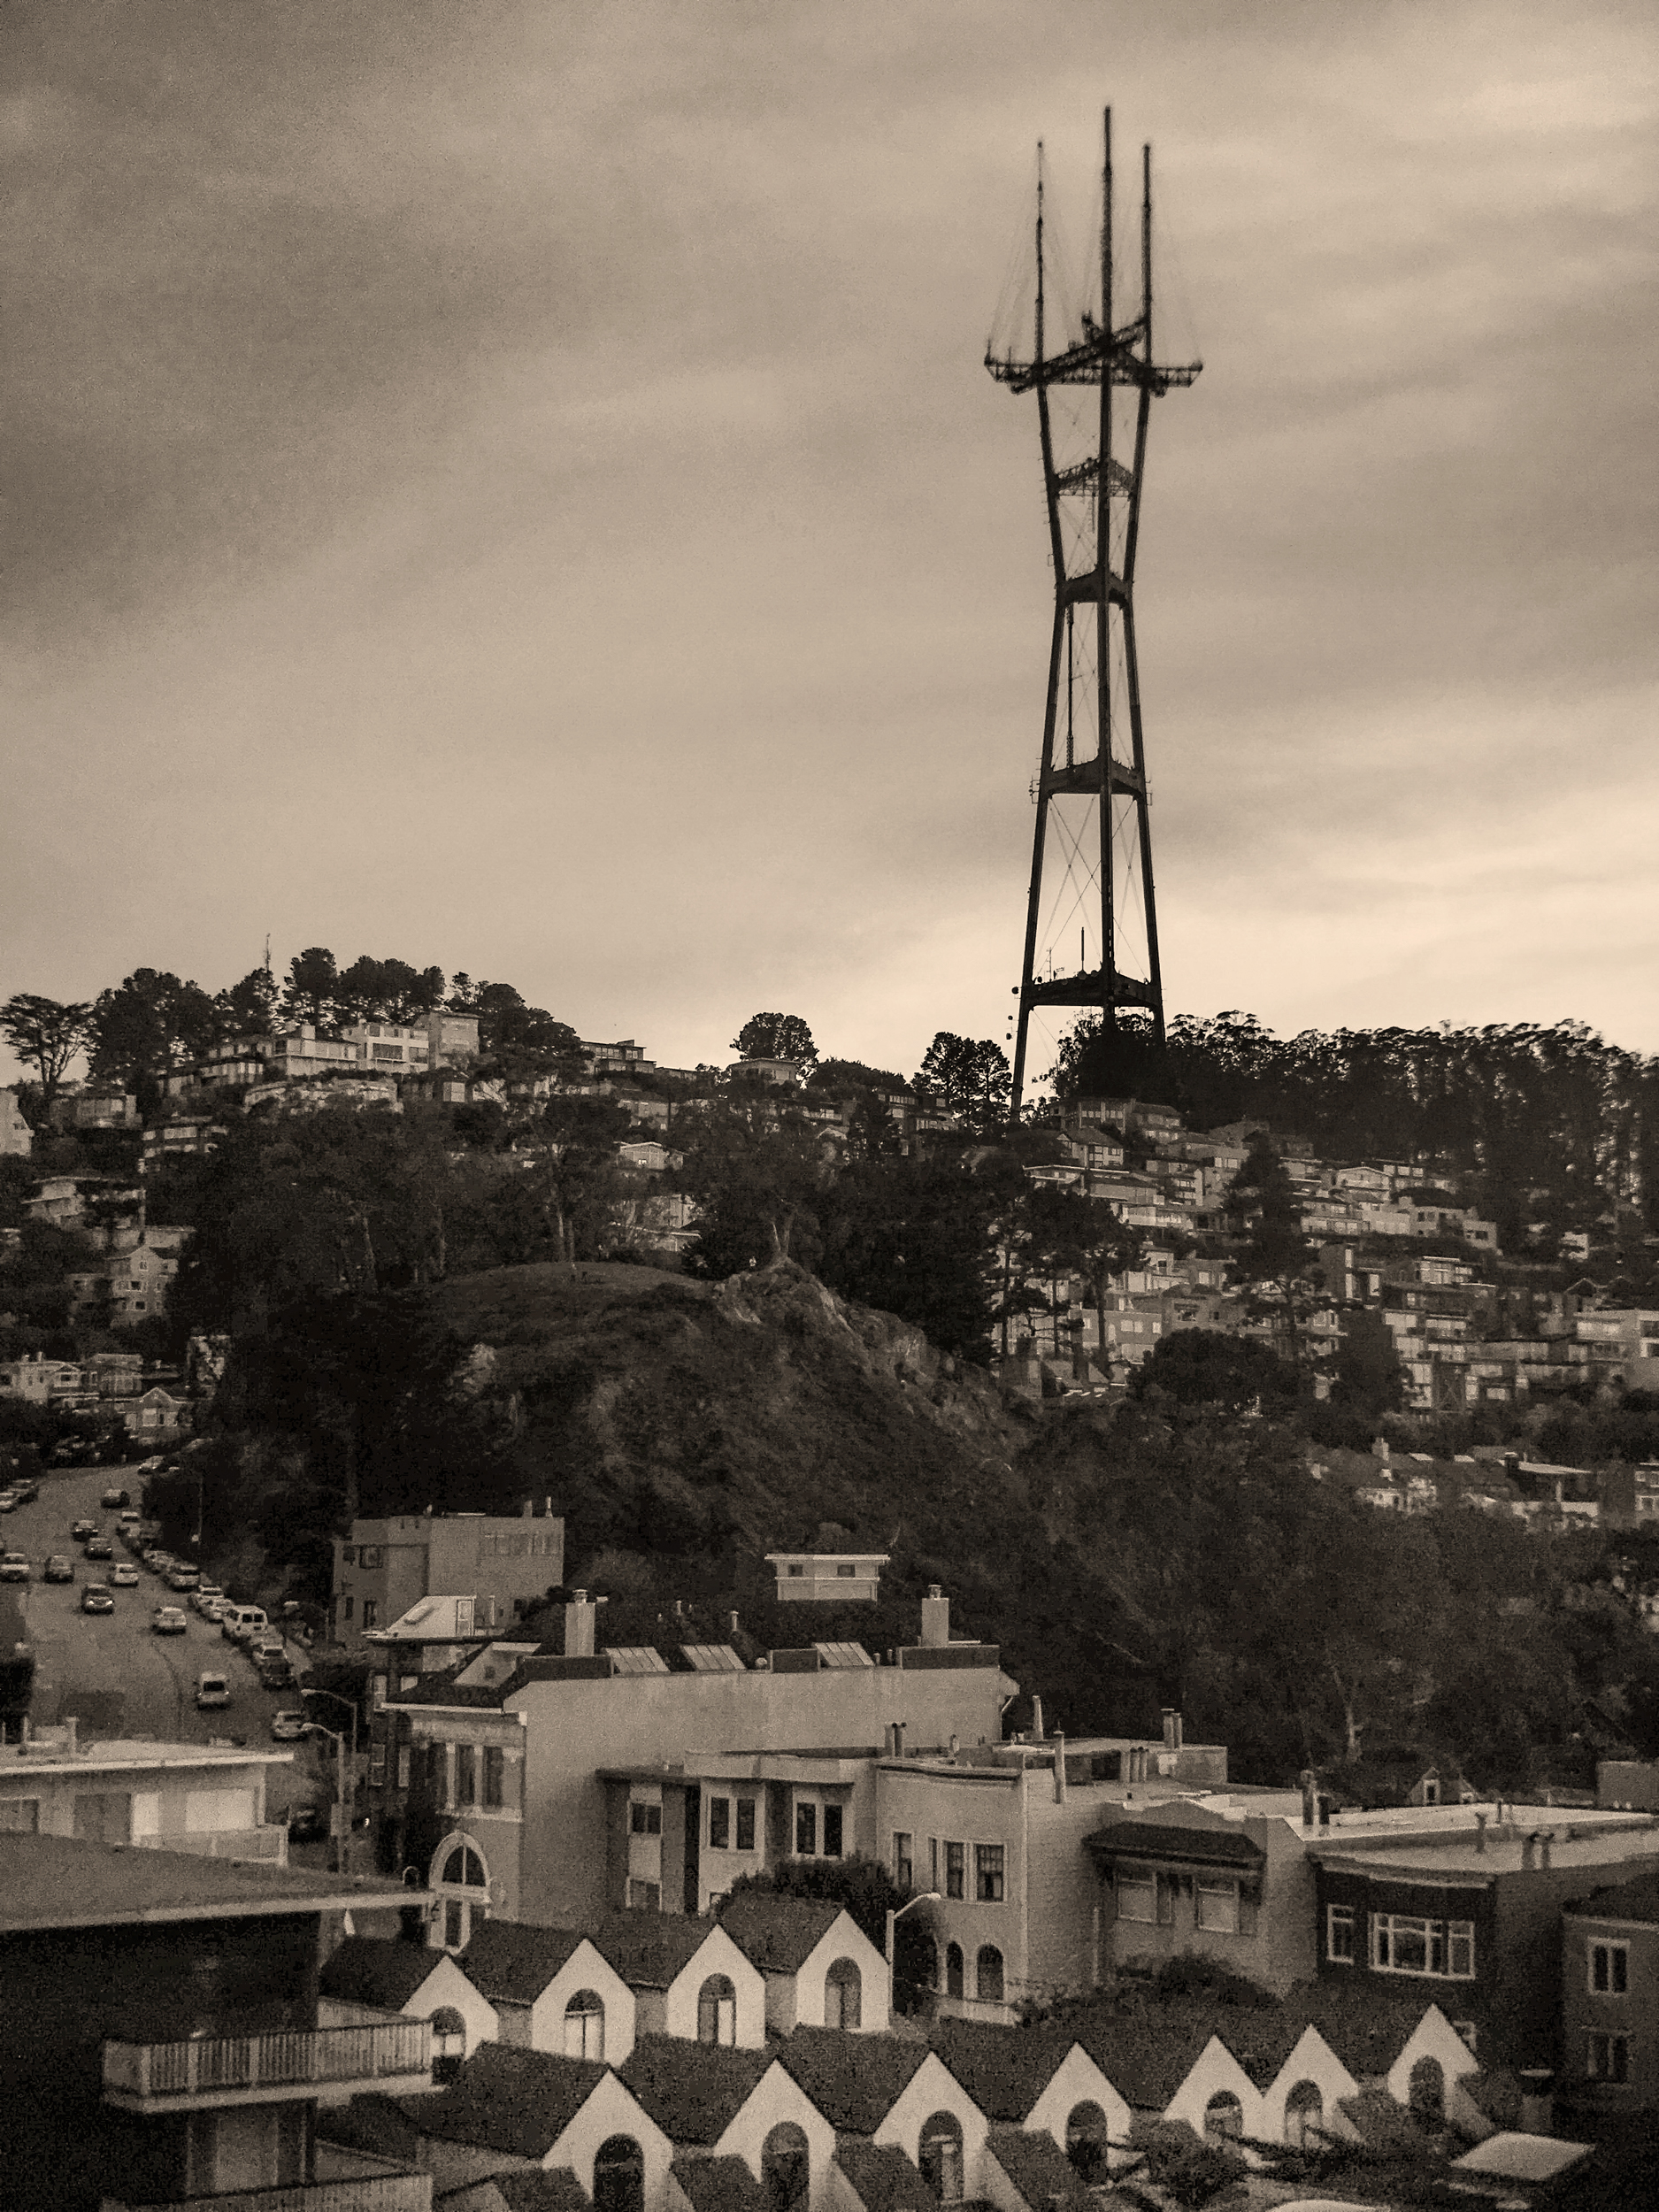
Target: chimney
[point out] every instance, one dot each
(1480, 1832)
(954, 1746)
(547, 1506)
(1059, 1768)
(1529, 1850)
(580, 1614)
(1036, 1720)
(898, 1739)
(1538, 2103)
(528, 1507)
(732, 1624)
(1309, 1805)
(1544, 1842)
(1172, 1729)
(935, 1615)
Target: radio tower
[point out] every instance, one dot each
(1094, 502)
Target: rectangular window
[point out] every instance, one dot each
(377, 1765)
(932, 1864)
(746, 1823)
(832, 1831)
(1401, 1944)
(719, 1824)
(845, 1572)
(1606, 2057)
(903, 1861)
(371, 1612)
(345, 1607)
(798, 1571)
(1137, 1896)
(648, 1895)
(377, 1691)
(1216, 1907)
(645, 1820)
(20, 1815)
(348, 1554)
(956, 1869)
(372, 1555)
(1609, 1969)
(494, 1772)
(806, 1830)
(988, 1873)
(403, 1766)
(465, 1775)
(1339, 1933)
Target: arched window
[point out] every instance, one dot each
(1086, 2139)
(1223, 2118)
(1427, 2093)
(619, 2175)
(953, 1970)
(717, 2011)
(843, 1994)
(1304, 2116)
(585, 2026)
(448, 2043)
(989, 1974)
(461, 1880)
(785, 2169)
(940, 2154)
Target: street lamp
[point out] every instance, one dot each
(343, 1832)
(927, 1897)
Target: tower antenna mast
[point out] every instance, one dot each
(1093, 505)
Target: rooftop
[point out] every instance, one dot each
(1625, 1900)
(508, 2099)
(853, 2080)
(693, 2090)
(885, 2180)
(1003, 2069)
(126, 1751)
(1577, 1841)
(62, 1882)
(720, 2184)
(513, 1962)
(381, 1971)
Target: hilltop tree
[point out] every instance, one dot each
(756, 1169)
(152, 1024)
(309, 994)
(518, 1043)
(575, 1173)
(775, 1037)
(45, 1033)
(248, 1008)
(967, 1079)
(915, 1237)
(387, 991)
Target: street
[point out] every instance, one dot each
(113, 1672)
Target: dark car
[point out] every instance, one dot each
(96, 1599)
(115, 1497)
(307, 1823)
(100, 1548)
(25, 1493)
(82, 1530)
(58, 1568)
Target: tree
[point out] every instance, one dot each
(248, 1008)
(756, 1169)
(45, 1033)
(775, 1037)
(1366, 1378)
(845, 1077)
(518, 1043)
(1206, 1367)
(309, 994)
(387, 991)
(150, 1025)
(969, 1080)
(1261, 1208)
(915, 1237)
(575, 1173)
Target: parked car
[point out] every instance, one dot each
(14, 1567)
(130, 1517)
(211, 1689)
(113, 1497)
(307, 1823)
(181, 1578)
(82, 1530)
(168, 1620)
(275, 1674)
(100, 1548)
(243, 1623)
(208, 1603)
(123, 1578)
(25, 1493)
(9, 1502)
(58, 1568)
(287, 1726)
(96, 1599)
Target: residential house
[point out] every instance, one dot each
(166, 2044)
(157, 1415)
(375, 1977)
(183, 1136)
(743, 2104)
(504, 1561)
(821, 1970)
(894, 2095)
(1040, 2081)
(828, 1578)
(1610, 1999)
(205, 1799)
(551, 1989)
(688, 1977)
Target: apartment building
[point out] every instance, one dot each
(502, 1563)
(208, 1800)
(1610, 1997)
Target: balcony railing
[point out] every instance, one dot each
(256, 2068)
(364, 2192)
(268, 1844)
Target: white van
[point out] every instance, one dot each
(242, 1623)
(211, 1689)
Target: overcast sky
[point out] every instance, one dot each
(514, 486)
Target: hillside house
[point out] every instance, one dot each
(205, 1799)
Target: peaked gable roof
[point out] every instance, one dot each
(381, 1971)
(1147, 2054)
(720, 2184)
(508, 2099)
(650, 1949)
(884, 2179)
(693, 2090)
(1195, 1844)
(855, 2080)
(511, 1961)
(1040, 2169)
(1003, 2069)
(779, 1934)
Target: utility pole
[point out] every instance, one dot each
(1093, 509)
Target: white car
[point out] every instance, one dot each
(123, 1578)
(14, 1567)
(288, 1727)
(168, 1620)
